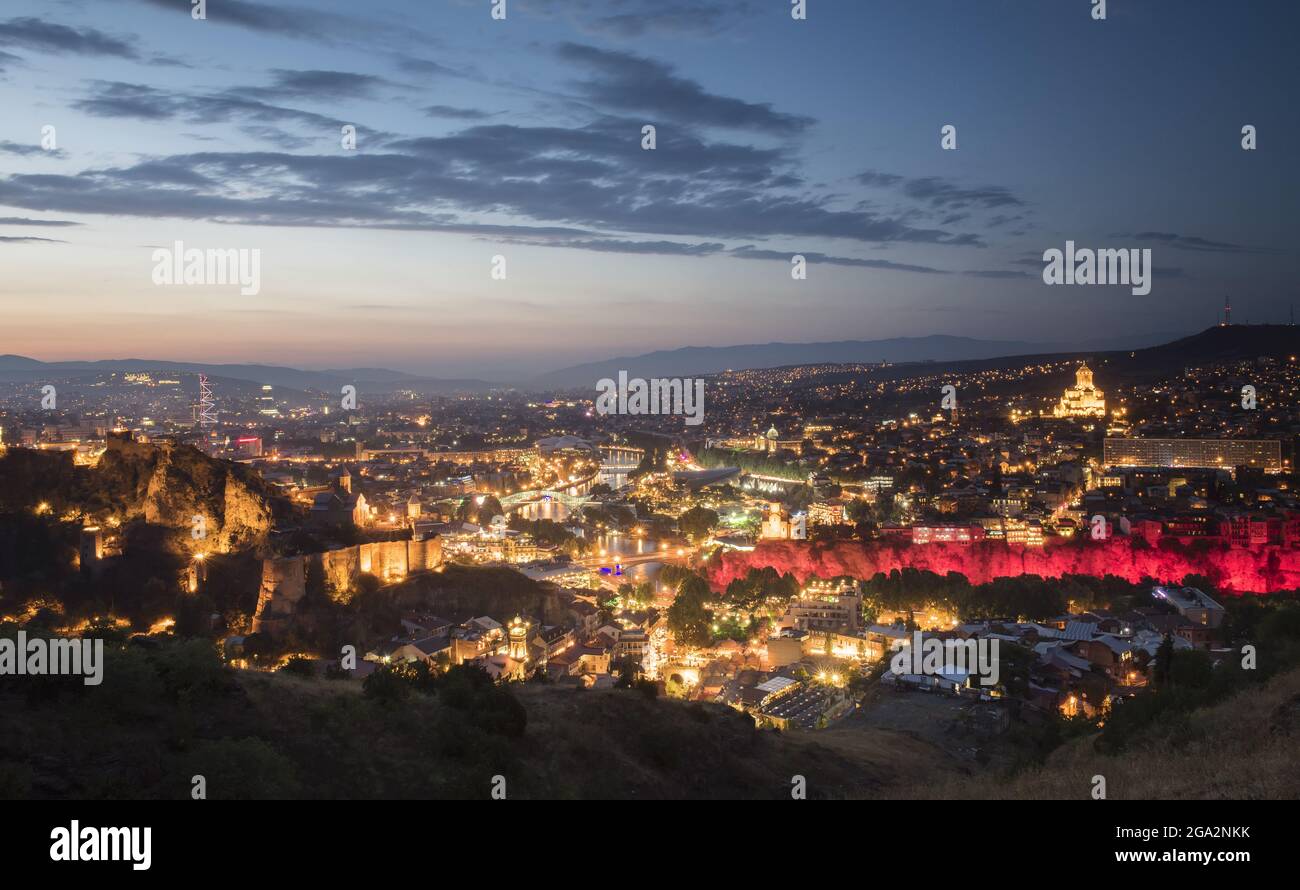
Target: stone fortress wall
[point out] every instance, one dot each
(284, 579)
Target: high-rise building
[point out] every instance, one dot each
(1223, 454)
(266, 402)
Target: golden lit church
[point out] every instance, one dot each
(1083, 399)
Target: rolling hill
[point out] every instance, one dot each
(20, 369)
(700, 360)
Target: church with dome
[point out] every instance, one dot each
(772, 442)
(1083, 399)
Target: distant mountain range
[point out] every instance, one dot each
(373, 380)
(697, 360)
(17, 368)
(1150, 353)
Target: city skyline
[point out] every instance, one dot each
(775, 137)
(624, 400)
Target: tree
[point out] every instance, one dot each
(471, 510)
(674, 575)
(1192, 670)
(697, 522)
(628, 670)
(298, 666)
(366, 584)
(193, 615)
(688, 617)
(635, 594)
(386, 686)
(1164, 661)
(1014, 666)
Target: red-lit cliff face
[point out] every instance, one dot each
(1236, 570)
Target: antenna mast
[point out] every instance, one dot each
(207, 403)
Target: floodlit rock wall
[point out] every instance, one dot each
(1232, 569)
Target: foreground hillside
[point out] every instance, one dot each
(1244, 748)
(169, 712)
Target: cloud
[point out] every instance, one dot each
(883, 180)
(28, 239)
(942, 194)
(997, 273)
(319, 84)
(609, 245)
(27, 150)
(39, 36)
(257, 118)
(552, 182)
(115, 99)
(626, 19)
(301, 22)
(288, 20)
(1193, 243)
(631, 83)
(27, 221)
(276, 136)
(417, 65)
(162, 60)
(463, 114)
(713, 248)
(750, 253)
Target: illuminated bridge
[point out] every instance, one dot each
(613, 459)
(620, 458)
(521, 498)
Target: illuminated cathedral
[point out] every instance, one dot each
(1083, 399)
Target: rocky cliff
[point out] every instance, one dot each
(1232, 569)
(167, 485)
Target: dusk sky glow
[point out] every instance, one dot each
(521, 138)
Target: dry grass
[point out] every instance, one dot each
(1244, 748)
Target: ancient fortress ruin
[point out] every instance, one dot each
(284, 580)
